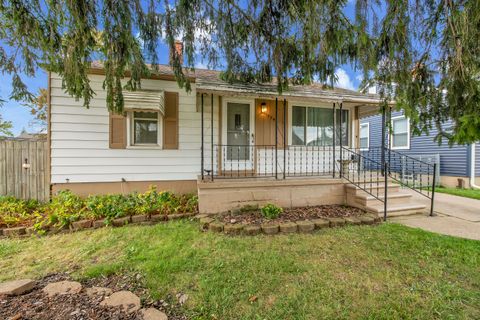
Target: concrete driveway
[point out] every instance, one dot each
(455, 216)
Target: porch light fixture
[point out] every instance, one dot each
(263, 107)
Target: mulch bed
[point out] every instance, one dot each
(254, 217)
(36, 304)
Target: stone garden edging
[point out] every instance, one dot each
(95, 224)
(208, 223)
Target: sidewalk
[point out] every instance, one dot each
(455, 216)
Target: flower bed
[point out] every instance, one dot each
(271, 219)
(69, 211)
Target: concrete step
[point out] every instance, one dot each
(368, 200)
(394, 210)
(351, 188)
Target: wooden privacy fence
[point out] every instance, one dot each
(24, 171)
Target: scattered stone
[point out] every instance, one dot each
(126, 300)
(82, 224)
(270, 228)
(139, 218)
(336, 222)
(288, 227)
(98, 291)
(252, 230)
(215, 227)
(16, 287)
(233, 221)
(233, 228)
(153, 314)
(321, 223)
(98, 224)
(62, 287)
(366, 219)
(14, 232)
(119, 222)
(201, 216)
(182, 298)
(305, 226)
(353, 221)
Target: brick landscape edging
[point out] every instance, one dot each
(208, 223)
(95, 224)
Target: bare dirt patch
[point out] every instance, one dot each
(254, 216)
(37, 305)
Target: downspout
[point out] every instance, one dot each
(472, 167)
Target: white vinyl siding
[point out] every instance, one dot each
(80, 139)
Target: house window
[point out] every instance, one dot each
(145, 128)
(314, 126)
(364, 136)
(400, 133)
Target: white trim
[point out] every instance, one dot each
(130, 130)
(408, 133)
(360, 136)
(249, 164)
(350, 127)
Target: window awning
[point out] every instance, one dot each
(144, 100)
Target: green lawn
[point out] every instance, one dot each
(468, 193)
(359, 272)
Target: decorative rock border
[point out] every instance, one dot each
(95, 224)
(207, 222)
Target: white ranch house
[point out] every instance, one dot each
(233, 144)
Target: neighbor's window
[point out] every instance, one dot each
(364, 136)
(400, 133)
(145, 128)
(314, 126)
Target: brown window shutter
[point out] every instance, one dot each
(118, 131)
(170, 121)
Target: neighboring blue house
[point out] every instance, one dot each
(455, 162)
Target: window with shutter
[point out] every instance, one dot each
(118, 131)
(170, 121)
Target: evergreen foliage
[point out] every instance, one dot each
(421, 53)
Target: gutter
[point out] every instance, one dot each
(472, 167)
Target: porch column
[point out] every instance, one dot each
(211, 129)
(341, 140)
(384, 119)
(284, 137)
(276, 138)
(334, 138)
(202, 147)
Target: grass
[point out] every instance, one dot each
(359, 272)
(467, 193)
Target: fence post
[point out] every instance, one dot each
(433, 189)
(284, 137)
(341, 141)
(211, 128)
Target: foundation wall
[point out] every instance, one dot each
(88, 188)
(220, 196)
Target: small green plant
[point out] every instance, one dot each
(271, 211)
(65, 208)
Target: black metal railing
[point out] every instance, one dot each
(365, 173)
(246, 161)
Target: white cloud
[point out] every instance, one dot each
(343, 80)
(359, 77)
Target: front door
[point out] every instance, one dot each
(238, 136)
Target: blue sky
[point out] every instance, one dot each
(21, 117)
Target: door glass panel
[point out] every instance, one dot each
(238, 131)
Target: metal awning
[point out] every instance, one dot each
(145, 100)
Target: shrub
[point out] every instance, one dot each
(17, 212)
(107, 207)
(271, 211)
(65, 208)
